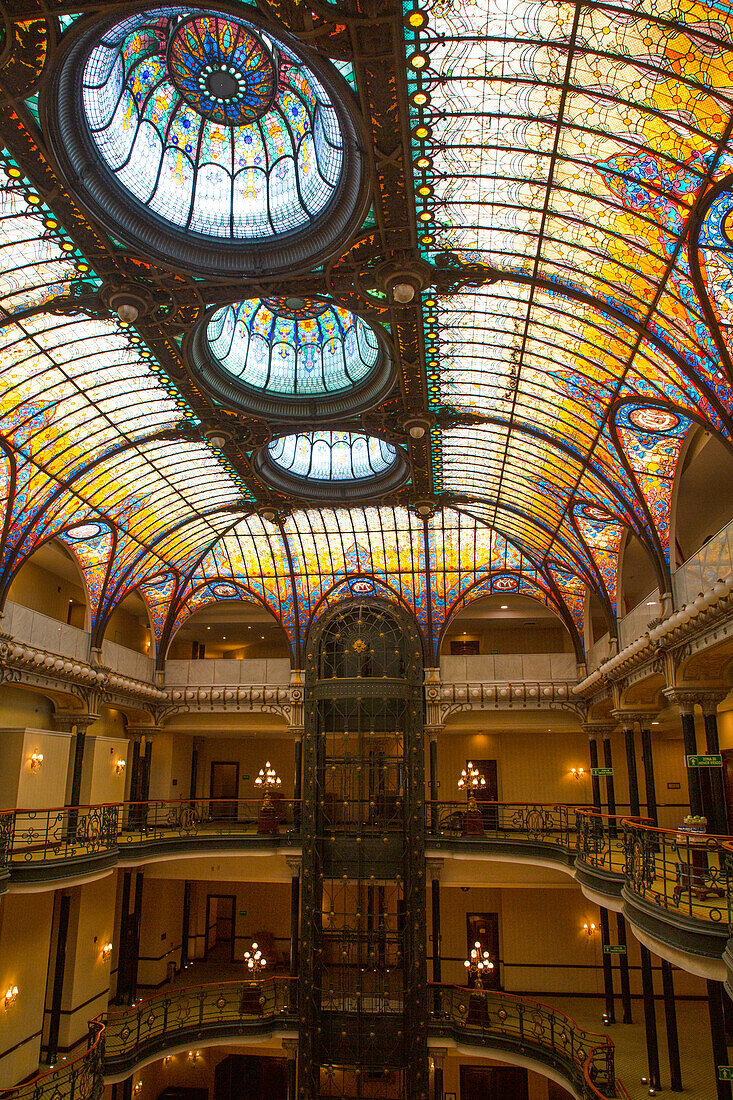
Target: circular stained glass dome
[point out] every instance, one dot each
(289, 357)
(207, 139)
(328, 465)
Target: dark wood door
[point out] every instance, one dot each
(223, 789)
(220, 910)
(727, 755)
(494, 1083)
(252, 1076)
(488, 793)
(483, 928)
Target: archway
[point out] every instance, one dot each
(230, 630)
(51, 582)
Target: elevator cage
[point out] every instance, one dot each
(363, 996)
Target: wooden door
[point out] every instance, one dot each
(220, 921)
(494, 1083)
(488, 793)
(484, 928)
(727, 755)
(223, 790)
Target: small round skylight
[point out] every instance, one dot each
(289, 357)
(213, 141)
(321, 465)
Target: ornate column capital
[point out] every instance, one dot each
(66, 722)
(438, 1054)
(144, 731)
(434, 868)
(297, 701)
(293, 863)
(627, 718)
(599, 729)
(709, 700)
(290, 1046)
(687, 698)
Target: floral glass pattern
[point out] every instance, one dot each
(215, 127)
(332, 456)
(300, 347)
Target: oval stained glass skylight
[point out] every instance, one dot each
(290, 357)
(206, 136)
(326, 464)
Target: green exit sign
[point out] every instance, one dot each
(614, 949)
(714, 760)
(601, 771)
(725, 1073)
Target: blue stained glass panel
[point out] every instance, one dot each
(214, 125)
(332, 456)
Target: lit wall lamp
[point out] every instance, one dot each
(194, 1055)
(138, 1087)
(120, 766)
(577, 773)
(36, 761)
(106, 952)
(589, 928)
(11, 996)
(168, 1059)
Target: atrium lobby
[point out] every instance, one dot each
(366, 550)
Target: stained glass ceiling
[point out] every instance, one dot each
(566, 221)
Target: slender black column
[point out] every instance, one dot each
(717, 1034)
(623, 960)
(290, 1046)
(137, 915)
(433, 784)
(58, 979)
(185, 923)
(298, 784)
(693, 774)
(633, 775)
(79, 742)
(717, 811)
(435, 898)
(607, 968)
(294, 922)
(610, 789)
(128, 957)
(594, 780)
(438, 1076)
(650, 1017)
(651, 790)
(127, 1088)
(670, 1019)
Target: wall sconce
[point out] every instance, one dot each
(194, 1055)
(106, 952)
(11, 996)
(589, 928)
(168, 1059)
(577, 773)
(120, 766)
(36, 761)
(138, 1086)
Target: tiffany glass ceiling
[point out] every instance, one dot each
(551, 183)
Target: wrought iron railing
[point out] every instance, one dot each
(494, 1019)
(682, 872)
(189, 1013)
(64, 833)
(124, 1037)
(80, 1078)
(550, 823)
(599, 841)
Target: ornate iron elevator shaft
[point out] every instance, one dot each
(363, 995)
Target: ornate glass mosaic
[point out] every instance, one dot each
(292, 346)
(216, 127)
(332, 456)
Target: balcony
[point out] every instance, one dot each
(124, 1040)
(275, 670)
(507, 667)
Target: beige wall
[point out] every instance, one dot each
(129, 628)
(44, 787)
(24, 708)
(251, 754)
(259, 907)
(25, 933)
(160, 930)
(41, 590)
(171, 760)
(87, 975)
(100, 781)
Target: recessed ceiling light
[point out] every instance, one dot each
(505, 607)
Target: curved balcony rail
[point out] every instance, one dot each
(81, 1078)
(49, 841)
(543, 827)
(599, 840)
(194, 1014)
(682, 873)
(514, 1023)
(124, 1038)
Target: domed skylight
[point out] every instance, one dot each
(210, 126)
(322, 464)
(290, 357)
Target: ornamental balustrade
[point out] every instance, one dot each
(550, 823)
(122, 1038)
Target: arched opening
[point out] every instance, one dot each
(230, 630)
(702, 500)
(596, 622)
(129, 625)
(505, 623)
(637, 576)
(51, 582)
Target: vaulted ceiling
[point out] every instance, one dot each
(552, 181)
